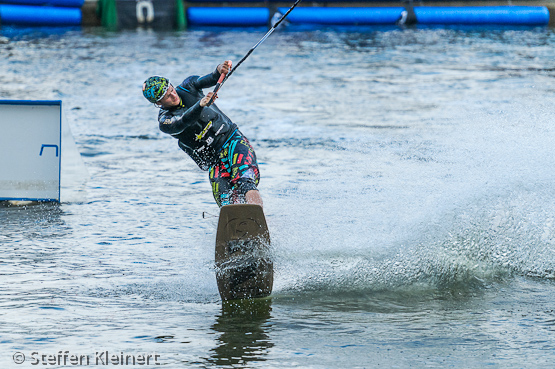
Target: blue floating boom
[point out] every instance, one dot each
(63, 3)
(247, 17)
(474, 15)
(344, 16)
(514, 15)
(39, 16)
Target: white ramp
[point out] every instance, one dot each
(30, 150)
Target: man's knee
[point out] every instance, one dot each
(253, 197)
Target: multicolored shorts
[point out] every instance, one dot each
(236, 172)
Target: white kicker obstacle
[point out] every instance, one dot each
(30, 150)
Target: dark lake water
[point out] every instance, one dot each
(408, 183)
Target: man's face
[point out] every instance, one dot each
(171, 98)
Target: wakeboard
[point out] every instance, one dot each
(244, 268)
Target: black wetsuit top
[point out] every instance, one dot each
(201, 131)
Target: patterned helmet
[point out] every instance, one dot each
(155, 88)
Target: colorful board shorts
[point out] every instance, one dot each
(236, 171)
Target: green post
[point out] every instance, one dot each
(181, 21)
(107, 12)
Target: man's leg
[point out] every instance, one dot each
(235, 178)
(221, 186)
(245, 174)
(253, 197)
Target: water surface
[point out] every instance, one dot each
(408, 187)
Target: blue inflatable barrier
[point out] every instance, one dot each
(247, 17)
(514, 15)
(63, 3)
(39, 16)
(344, 16)
(502, 15)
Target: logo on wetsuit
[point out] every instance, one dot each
(201, 135)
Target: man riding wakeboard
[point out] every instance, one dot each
(207, 135)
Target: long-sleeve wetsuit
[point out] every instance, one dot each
(201, 131)
(212, 140)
